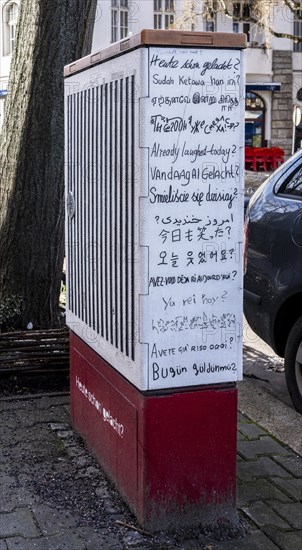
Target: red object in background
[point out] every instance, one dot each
(250, 159)
(264, 158)
(171, 454)
(277, 157)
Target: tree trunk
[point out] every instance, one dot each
(50, 34)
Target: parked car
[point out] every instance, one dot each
(273, 268)
(246, 203)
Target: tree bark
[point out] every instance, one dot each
(50, 34)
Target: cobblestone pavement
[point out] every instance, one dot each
(54, 497)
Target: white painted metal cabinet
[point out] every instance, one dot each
(154, 193)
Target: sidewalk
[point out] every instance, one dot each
(54, 497)
(253, 180)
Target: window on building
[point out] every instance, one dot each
(254, 120)
(242, 10)
(298, 31)
(10, 17)
(164, 14)
(210, 24)
(246, 28)
(241, 15)
(119, 19)
(244, 15)
(209, 16)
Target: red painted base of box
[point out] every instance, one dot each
(172, 455)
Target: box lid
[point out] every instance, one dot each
(150, 37)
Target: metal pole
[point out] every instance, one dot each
(293, 138)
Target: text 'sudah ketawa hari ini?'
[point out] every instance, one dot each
(154, 188)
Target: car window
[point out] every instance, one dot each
(293, 184)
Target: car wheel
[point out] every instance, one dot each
(293, 364)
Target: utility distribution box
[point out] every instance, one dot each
(154, 229)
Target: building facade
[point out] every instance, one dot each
(8, 24)
(273, 65)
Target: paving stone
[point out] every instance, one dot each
(259, 489)
(286, 540)
(293, 487)
(64, 541)
(292, 463)
(252, 431)
(20, 522)
(263, 446)
(291, 512)
(254, 541)
(19, 543)
(15, 497)
(52, 522)
(3, 545)
(262, 515)
(262, 467)
(241, 419)
(8, 480)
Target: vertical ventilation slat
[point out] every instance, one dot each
(92, 208)
(81, 209)
(72, 249)
(127, 217)
(116, 224)
(73, 190)
(132, 237)
(103, 212)
(85, 225)
(96, 325)
(110, 228)
(121, 216)
(106, 208)
(100, 183)
(70, 258)
(88, 209)
(76, 282)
